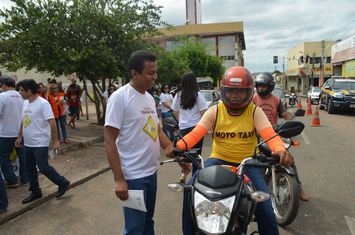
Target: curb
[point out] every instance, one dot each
(79, 143)
(46, 198)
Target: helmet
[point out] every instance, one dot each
(237, 88)
(265, 79)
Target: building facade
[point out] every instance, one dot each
(343, 58)
(308, 64)
(225, 40)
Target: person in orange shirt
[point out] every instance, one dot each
(273, 108)
(56, 99)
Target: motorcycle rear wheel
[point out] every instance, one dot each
(287, 200)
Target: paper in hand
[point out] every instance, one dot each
(135, 200)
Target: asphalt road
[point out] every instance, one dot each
(325, 163)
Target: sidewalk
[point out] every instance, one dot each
(77, 163)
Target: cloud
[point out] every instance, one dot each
(270, 27)
(273, 27)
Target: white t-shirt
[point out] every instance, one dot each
(189, 117)
(165, 98)
(11, 104)
(138, 145)
(36, 128)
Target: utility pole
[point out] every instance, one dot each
(313, 58)
(321, 72)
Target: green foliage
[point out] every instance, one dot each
(93, 38)
(190, 56)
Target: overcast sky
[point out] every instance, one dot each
(270, 27)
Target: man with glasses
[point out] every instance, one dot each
(11, 104)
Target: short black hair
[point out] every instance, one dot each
(28, 84)
(7, 80)
(137, 59)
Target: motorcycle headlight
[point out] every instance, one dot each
(338, 95)
(213, 217)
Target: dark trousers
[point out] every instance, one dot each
(6, 146)
(3, 195)
(61, 128)
(39, 156)
(139, 222)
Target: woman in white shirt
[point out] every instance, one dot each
(188, 106)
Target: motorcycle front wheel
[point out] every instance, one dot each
(287, 199)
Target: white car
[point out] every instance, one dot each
(212, 97)
(313, 94)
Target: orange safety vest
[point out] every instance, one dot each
(57, 107)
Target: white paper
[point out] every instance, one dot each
(135, 200)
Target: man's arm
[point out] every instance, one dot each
(55, 142)
(113, 159)
(165, 143)
(283, 112)
(19, 137)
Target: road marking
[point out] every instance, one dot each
(351, 224)
(306, 140)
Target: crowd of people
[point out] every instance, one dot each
(134, 135)
(33, 116)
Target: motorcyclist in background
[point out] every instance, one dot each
(273, 108)
(234, 122)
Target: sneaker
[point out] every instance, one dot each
(12, 185)
(24, 183)
(3, 210)
(62, 189)
(32, 197)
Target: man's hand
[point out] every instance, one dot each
(286, 159)
(169, 151)
(185, 167)
(18, 142)
(121, 190)
(56, 144)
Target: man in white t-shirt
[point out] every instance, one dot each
(38, 129)
(133, 137)
(11, 104)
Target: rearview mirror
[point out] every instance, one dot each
(290, 129)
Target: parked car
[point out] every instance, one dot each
(313, 94)
(279, 91)
(212, 97)
(337, 94)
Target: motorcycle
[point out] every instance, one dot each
(282, 183)
(223, 199)
(292, 99)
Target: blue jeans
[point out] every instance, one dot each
(264, 213)
(139, 222)
(39, 156)
(199, 145)
(61, 122)
(3, 196)
(6, 146)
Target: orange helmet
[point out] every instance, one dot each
(237, 87)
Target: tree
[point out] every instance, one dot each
(192, 56)
(92, 38)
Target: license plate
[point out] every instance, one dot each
(352, 106)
